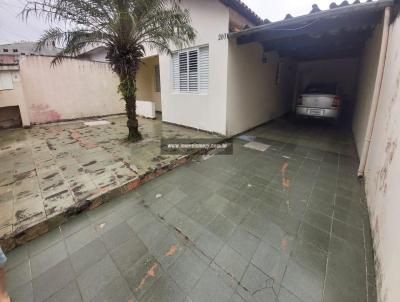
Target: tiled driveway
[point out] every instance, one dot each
(288, 224)
(51, 170)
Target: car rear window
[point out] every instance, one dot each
(321, 88)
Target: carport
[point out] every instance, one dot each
(358, 45)
(340, 45)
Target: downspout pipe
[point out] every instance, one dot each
(377, 92)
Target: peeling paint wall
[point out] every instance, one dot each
(382, 173)
(70, 90)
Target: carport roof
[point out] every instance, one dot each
(343, 28)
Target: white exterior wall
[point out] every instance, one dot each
(254, 96)
(202, 111)
(382, 172)
(367, 77)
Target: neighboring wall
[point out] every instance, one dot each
(382, 174)
(367, 77)
(203, 111)
(257, 92)
(15, 97)
(70, 90)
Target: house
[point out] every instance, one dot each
(28, 49)
(197, 98)
(241, 72)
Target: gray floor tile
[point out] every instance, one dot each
(215, 203)
(222, 227)
(140, 221)
(209, 244)
(310, 257)
(203, 215)
(231, 262)
(52, 281)
(70, 293)
(23, 293)
(88, 255)
(48, 258)
(211, 288)
(143, 274)
(164, 289)
(16, 257)
(117, 236)
(256, 224)
(257, 286)
(75, 224)
(154, 232)
(303, 283)
(314, 236)
(237, 298)
(18, 276)
(286, 296)
(81, 238)
(93, 280)
(168, 249)
(107, 223)
(244, 243)
(234, 212)
(44, 242)
(277, 237)
(348, 233)
(187, 270)
(270, 261)
(318, 220)
(115, 291)
(127, 254)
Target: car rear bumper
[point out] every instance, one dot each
(325, 113)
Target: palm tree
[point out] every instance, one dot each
(125, 27)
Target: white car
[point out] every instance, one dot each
(319, 101)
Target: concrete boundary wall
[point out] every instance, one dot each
(72, 89)
(382, 174)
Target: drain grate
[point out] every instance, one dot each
(257, 146)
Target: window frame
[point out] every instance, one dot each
(187, 51)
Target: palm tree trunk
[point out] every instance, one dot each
(127, 88)
(133, 125)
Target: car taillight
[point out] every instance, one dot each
(336, 102)
(300, 101)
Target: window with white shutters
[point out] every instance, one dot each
(190, 70)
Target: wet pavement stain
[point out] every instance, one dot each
(151, 273)
(285, 180)
(77, 157)
(172, 251)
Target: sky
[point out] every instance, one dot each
(13, 28)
